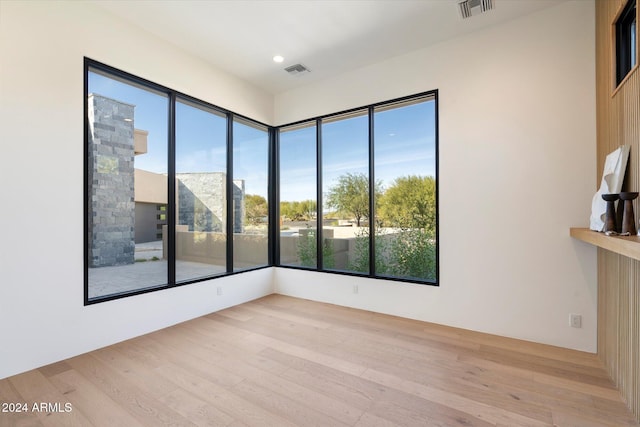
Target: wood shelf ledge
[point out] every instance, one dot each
(628, 246)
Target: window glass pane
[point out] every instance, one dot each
(345, 188)
(127, 157)
(298, 204)
(250, 194)
(201, 181)
(405, 165)
(626, 39)
(633, 48)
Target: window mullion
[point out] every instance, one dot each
(274, 197)
(171, 191)
(320, 202)
(372, 196)
(229, 193)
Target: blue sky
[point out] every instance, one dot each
(404, 141)
(404, 145)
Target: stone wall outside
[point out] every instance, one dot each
(111, 182)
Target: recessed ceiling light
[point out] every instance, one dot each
(278, 58)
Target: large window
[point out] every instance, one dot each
(345, 190)
(201, 191)
(405, 166)
(161, 203)
(127, 185)
(298, 195)
(178, 190)
(250, 194)
(380, 159)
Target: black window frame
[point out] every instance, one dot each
(626, 41)
(370, 109)
(90, 65)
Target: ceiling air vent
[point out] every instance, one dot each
(469, 8)
(297, 69)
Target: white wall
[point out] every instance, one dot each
(42, 317)
(517, 165)
(517, 169)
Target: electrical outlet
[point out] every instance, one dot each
(355, 289)
(219, 290)
(575, 320)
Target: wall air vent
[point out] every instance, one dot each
(297, 69)
(469, 8)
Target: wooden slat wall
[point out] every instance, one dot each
(618, 122)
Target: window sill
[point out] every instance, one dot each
(628, 246)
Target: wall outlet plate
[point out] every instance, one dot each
(575, 320)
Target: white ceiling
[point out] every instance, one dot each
(329, 37)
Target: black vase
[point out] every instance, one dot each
(610, 215)
(628, 218)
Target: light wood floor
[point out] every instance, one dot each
(281, 361)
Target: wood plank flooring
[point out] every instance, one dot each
(282, 361)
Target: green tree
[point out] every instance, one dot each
(307, 252)
(284, 209)
(287, 210)
(308, 209)
(298, 211)
(351, 195)
(360, 259)
(409, 203)
(413, 255)
(256, 208)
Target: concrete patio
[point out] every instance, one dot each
(149, 271)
